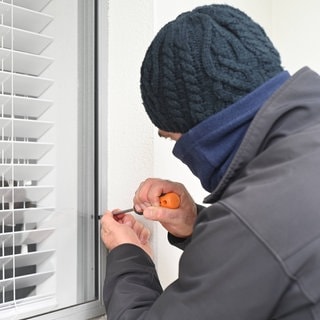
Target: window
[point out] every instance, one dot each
(49, 235)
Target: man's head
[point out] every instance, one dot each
(202, 62)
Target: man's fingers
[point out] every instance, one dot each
(161, 214)
(141, 231)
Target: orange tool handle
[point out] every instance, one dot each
(170, 200)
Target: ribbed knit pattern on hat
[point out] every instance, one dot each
(202, 62)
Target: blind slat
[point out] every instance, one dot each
(25, 85)
(28, 280)
(26, 215)
(31, 236)
(24, 106)
(23, 18)
(25, 237)
(25, 63)
(26, 259)
(22, 194)
(30, 4)
(24, 150)
(24, 128)
(25, 172)
(25, 41)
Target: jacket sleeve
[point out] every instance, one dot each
(131, 281)
(182, 243)
(226, 272)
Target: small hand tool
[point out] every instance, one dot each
(169, 200)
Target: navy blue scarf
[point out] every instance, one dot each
(208, 148)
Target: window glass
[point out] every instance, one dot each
(48, 232)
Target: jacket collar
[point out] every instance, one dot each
(300, 91)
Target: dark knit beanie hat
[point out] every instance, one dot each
(202, 62)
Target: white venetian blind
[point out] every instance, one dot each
(24, 256)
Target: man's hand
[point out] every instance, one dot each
(124, 228)
(179, 222)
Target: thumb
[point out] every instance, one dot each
(108, 219)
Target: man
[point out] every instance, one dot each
(212, 80)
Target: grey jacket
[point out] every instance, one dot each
(255, 251)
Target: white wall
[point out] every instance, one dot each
(295, 27)
(130, 139)
(135, 150)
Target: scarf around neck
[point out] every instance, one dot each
(209, 147)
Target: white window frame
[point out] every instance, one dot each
(94, 64)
